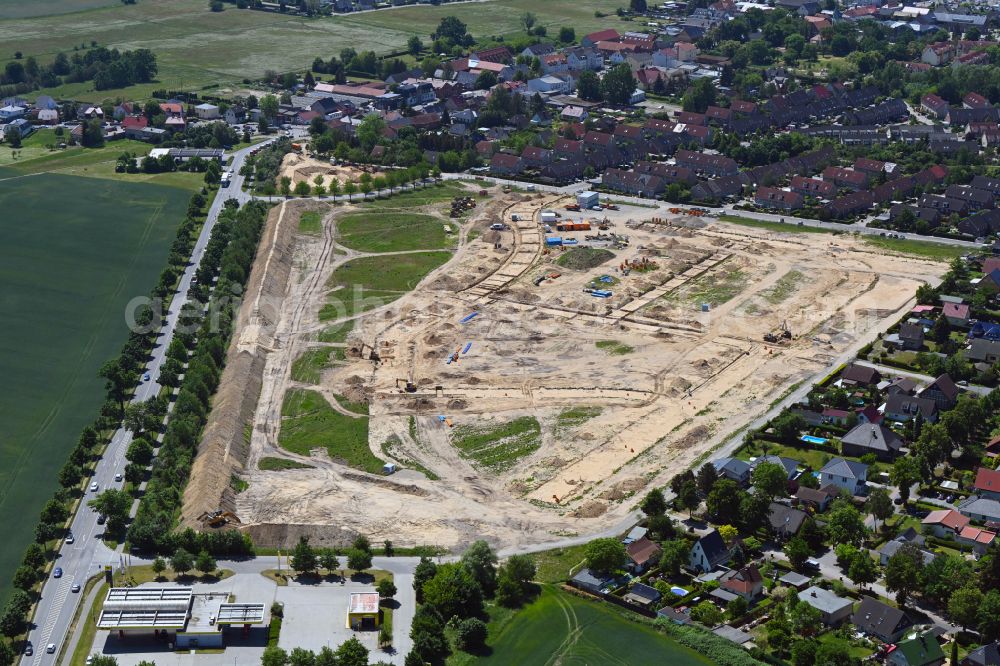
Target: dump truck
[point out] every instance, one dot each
(573, 207)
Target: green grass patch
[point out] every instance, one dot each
(918, 248)
(783, 288)
(73, 253)
(309, 366)
(575, 417)
(371, 282)
(309, 422)
(715, 287)
(336, 332)
(391, 232)
(773, 226)
(584, 258)
(559, 627)
(614, 347)
(238, 484)
(88, 629)
(497, 448)
(558, 565)
(311, 223)
(391, 449)
(272, 464)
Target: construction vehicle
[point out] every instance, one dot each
(783, 333)
(409, 386)
(573, 207)
(611, 206)
(218, 518)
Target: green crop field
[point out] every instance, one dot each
(561, 628)
(199, 49)
(73, 253)
(391, 232)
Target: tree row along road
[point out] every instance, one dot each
(88, 554)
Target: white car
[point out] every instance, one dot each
(50, 648)
(94, 487)
(75, 588)
(70, 538)
(118, 477)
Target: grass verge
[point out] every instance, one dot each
(774, 226)
(311, 223)
(918, 248)
(272, 464)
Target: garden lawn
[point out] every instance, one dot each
(391, 232)
(309, 422)
(561, 628)
(73, 253)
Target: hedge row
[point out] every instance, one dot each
(228, 258)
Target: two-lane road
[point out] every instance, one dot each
(87, 554)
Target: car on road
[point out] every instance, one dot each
(50, 648)
(57, 572)
(118, 477)
(75, 588)
(28, 650)
(70, 538)
(94, 487)
(145, 376)
(101, 518)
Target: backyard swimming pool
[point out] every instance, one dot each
(812, 439)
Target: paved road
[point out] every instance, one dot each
(88, 554)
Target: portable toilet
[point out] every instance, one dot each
(588, 199)
(389, 468)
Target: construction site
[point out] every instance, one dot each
(542, 368)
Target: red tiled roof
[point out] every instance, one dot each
(947, 517)
(988, 479)
(603, 35)
(957, 310)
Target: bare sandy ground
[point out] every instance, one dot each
(302, 168)
(690, 378)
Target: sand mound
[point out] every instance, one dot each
(590, 509)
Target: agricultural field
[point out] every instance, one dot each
(559, 627)
(70, 264)
(198, 49)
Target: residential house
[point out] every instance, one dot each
(590, 581)
(980, 509)
(505, 164)
(942, 391)
(910, 336)
(836, 416)
(790, 465)
(921, 650)
(870, 166)
(814, 187)
(785, 520)
(715, 165)
(550, 85)
(643, 595)
(833, 609)
(608, 35)
(975, 199)
(902, 408)
(642, 554)
(709, 552)
(979, 539)
(945, 523)
(866, 438)
(890, 548)
(934, 106)
(987, 483)
(734, 469)
(772, 197)
(631, 182)
(984, 655)
(877, 619)
(816, 498)
(957, 314)
(746, 582)
(12, 112)
(974, 100)
(846, 474)
(207, 111)
(983, 351)
(859, 375)
(849, 178)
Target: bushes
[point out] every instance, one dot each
(228, 255)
